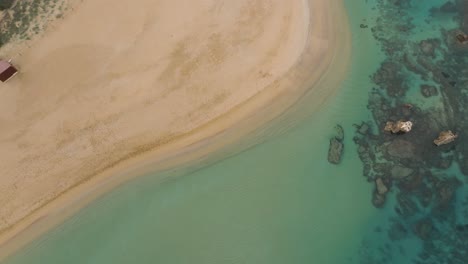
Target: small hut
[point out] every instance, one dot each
(7, 71)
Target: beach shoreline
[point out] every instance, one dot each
(259, 109)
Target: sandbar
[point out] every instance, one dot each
(115, 87)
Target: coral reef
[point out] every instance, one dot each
(408, 168)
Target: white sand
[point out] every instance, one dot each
(114, 87)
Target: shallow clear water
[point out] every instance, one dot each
(278, 202)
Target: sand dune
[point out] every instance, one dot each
(114, 80)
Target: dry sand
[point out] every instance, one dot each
(115, 86)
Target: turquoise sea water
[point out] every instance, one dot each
(277, 202)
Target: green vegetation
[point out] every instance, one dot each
(26, 18)
(5, 4)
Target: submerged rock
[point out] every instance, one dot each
(336, 146)
(363, 129)
(423, 229)
(428, 90)
(448, 7)
(428, 46)
(339, 133)
(398, 127)
(446, 192)
(378, 200)
(335, 151)
(401, 149)
(380, 186)
(397, 231)
(412, 183)
(445, 137)
(389, 77)
(406, 206)
(399, 172)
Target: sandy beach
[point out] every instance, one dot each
(119, 89)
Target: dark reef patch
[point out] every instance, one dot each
(422, 180)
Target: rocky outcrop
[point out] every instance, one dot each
(335, 150)
(445, 137)
(398, 127)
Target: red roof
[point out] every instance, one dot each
(6, 71)
(4, 65)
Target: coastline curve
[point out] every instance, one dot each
(313, 75)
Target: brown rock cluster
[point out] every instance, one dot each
(398, 127)
(445, 137)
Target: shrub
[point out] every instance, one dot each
(5, 4)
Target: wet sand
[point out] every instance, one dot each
(115, 89)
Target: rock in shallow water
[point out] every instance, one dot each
(401, 149)
(339, 133)
(398, 127)
(428, 46)
(423, 229)
(446, 192)
(428, 90)
(445, 137)
(335, 151)
(399, 172)
(363, 129)
(380, 186)
(378, 200)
